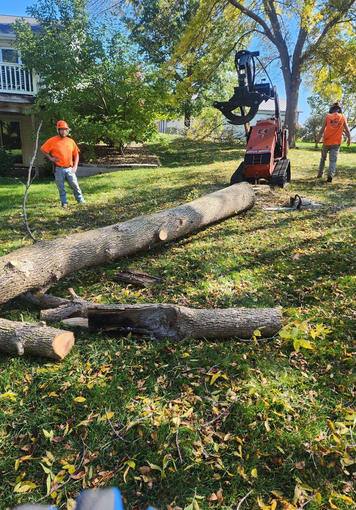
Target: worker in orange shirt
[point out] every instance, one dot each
(62, 150)
(334, 125)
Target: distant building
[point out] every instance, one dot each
(266, 110)
(18, 88)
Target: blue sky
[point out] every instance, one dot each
(18, 8)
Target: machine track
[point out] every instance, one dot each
(281, 174)
(238, 175)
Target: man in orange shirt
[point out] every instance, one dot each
(61, 150)
(334, 125)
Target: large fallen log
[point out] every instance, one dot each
(36, 268)
(160, 321)
(18, 338)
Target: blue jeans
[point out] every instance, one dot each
(61, 175)
(333, 151)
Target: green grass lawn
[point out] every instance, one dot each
(198, 424)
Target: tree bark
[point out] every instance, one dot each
(57, 309)
(35, 268)
(161, 321)
(19, 338)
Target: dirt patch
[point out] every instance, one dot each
(134, 154)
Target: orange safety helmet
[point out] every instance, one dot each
(61, 124)
(335, 105)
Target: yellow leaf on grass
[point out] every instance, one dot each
(9, 395)
(80, 399)
(332, 504)
(70, 468)
(71, 504)
(24, 487)
(262, 505)
(106, 417)
(348, 500)
(214, 377)
(348, 461)
(297, 344)
(287, 506)
(254, 473)
(125, 474)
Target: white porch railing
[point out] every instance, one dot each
(14, 79)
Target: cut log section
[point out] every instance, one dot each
(137, 278)
(161, 321)
(35, 268)
(19, 338)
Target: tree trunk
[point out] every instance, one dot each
(292, 95)
(160, 321)
(37, 267)
(18, 338)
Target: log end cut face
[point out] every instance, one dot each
(63, 343)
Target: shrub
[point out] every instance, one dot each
(6, 162)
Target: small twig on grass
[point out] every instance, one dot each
(180, 456)
(305, 503)
(222, 415)
(257, 339)
(243, 499)
(178, 366)
(29, 180)
(116, 433)
(124, 429)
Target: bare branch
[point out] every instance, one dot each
(243, 499)
(29, 180)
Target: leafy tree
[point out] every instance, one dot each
(159, 27)
(89, 75)
(334, 78)
(294, 31)
(320, 104)
(311, 127)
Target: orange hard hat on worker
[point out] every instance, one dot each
(61, 124)
(336, 105)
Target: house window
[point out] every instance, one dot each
(10, 137)
(9, 56)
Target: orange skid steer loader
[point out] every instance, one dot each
(267, 141)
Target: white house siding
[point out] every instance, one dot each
(17, 89)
